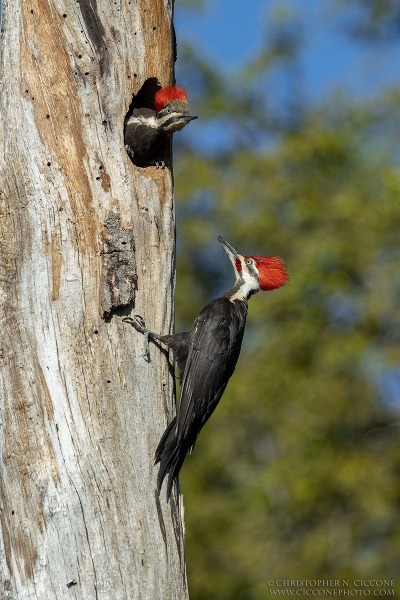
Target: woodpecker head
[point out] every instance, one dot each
(172, 109)
(254, 273)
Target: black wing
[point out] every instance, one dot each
(215, 345)
(207, 355)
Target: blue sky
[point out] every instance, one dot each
(229, 34)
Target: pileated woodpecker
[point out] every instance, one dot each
(148, 131)
(206, 356)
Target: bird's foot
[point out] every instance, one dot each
(129, 151)
(138, 323)
(158, 164)
(146, 349)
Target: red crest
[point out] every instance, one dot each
(167, 94)
(272, 272)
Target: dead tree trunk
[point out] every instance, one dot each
(85, 236)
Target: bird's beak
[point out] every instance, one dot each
(178, 121)
(188, 118)
(231, 252)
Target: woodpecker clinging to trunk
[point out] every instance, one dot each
(148, 131)
(207, 355)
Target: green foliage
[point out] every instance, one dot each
(374, 19)
(297, 472)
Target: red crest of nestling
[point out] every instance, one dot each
(272, 272)
(167, 94)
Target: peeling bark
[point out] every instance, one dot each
(84, 235)
(119, 267)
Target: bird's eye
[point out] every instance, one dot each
(168, 110)
(248, 261)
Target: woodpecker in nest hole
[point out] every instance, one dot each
(206, 356)
(148, 132)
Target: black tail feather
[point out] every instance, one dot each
(170, 456)
(167, 439)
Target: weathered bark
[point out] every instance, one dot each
(85, 236)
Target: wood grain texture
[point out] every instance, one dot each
(81, 411)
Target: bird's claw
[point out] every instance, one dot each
(139, 324)
(158, 164)
(154, 163)
(129, 151)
